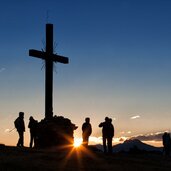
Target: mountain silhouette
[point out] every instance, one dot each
(135, 145)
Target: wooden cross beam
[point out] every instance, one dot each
(49, 58)
(53, 57)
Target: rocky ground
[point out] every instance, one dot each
(68, 159)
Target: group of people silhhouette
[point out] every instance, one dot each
(107, 133)
(20, 127)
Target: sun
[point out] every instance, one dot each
(77, 142)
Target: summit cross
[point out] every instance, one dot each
(49, 58)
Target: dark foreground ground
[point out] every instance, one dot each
(70, 159)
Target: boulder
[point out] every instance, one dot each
(57, 131)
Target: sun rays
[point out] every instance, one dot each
(77, 154)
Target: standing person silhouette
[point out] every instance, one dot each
(107, 134)
(86, 131)
(33, 130)
(166, 143)
(20, 126)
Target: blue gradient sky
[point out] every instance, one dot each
(120, 63)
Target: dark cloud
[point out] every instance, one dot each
(149, 137)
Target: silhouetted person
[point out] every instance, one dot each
(107, 134)
(33, 130)
(87, 130)
(110, 135)
(166, 143)
(20, 126)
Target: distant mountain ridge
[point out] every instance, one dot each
(130, 145)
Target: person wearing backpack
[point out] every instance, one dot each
(20, 127)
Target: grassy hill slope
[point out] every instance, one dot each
(73, 159)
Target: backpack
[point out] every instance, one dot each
(16, 123)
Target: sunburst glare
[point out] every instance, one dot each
(77, 142)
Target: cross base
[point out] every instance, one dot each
(58, 131)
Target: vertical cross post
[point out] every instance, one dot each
(49, 73)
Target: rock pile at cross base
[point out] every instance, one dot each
(57, 131)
